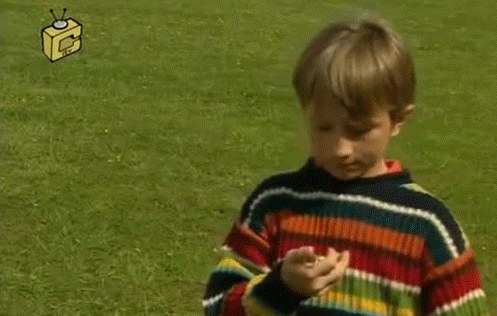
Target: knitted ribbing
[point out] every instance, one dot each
(408, 255)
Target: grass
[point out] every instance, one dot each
(123, 165)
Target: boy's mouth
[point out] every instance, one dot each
(353, 165)
(349, 167)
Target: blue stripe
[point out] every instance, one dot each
(220, 282)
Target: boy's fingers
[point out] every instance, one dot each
(301, 255)
(339, 269)
(332, 252)
(324, 290)
(324, 265)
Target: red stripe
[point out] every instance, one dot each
(247, 248)
(232, 304)
(368, 260)
(389, 267)
(454, 288)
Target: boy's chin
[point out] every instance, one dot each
(351, 174)
(344, 175)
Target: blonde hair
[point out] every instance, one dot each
(361, 64)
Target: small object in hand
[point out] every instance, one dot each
(311, 264)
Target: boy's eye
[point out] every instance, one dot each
(325, 128)
(358, 131)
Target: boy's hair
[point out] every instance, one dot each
(360, 64)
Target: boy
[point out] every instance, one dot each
(349, 233)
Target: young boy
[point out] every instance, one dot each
(349, 233)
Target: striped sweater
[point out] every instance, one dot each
(408, 255)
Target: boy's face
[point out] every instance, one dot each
(347, 148)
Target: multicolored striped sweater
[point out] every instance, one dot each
(408, 255)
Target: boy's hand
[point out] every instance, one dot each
(309, 274)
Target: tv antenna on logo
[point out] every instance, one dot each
(62, 38)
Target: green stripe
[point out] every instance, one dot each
(371, 291)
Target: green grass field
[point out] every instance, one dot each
(123, 165)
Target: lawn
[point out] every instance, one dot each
(124, 164)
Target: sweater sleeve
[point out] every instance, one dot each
(452, 284)
(243, 284)
(247, 280)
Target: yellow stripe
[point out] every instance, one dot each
(357, 302)
(232, 264)
(252, 267)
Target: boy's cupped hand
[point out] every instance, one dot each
(309, 274)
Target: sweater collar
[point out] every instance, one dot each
(396, 175)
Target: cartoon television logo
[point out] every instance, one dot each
(62, 38)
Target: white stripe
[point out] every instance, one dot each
(364, 200)
(212, 300)
(457, 303)
(370, 277)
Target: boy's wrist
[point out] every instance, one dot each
(276, 294)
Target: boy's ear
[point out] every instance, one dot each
(401, 119)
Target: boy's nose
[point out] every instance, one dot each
(343, 148)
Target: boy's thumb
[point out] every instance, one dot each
(306, 254)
